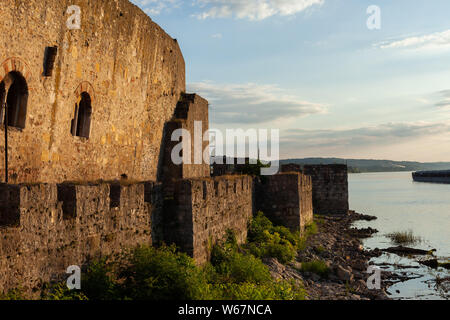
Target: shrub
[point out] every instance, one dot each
(13, 294)
(276, 290)
(253, 169)
(310, 230)
(266, 240)
(258, 227)
(99, 282)
(61, 292)
(238, 275)
(317, 266)
(163, 274)
(319, 249)
(236, 266)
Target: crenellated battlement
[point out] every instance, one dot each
(330, 188)
(286, 198)
(44, 228)
(203, 209)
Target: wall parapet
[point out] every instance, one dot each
(44, 228)
(330, 188)
(203, 209)
(286, 199)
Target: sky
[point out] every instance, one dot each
(332, 77)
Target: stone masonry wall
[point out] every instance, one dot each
(291, 167)
(197, 113)
(330, 188)
(204, 209)
(133, 71)
(286, 199)
(45, 228)
(191, 110)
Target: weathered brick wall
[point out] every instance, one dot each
(204, 209)
(286, 199)
(330, 188)
(50, 227)
(133, 71)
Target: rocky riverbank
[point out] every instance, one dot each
(337, 247)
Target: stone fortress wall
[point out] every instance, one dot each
(132, 71)
(329, 186)
(191, 115)
(90, 168)
(45, 228)
(204, 209)
(286, 199)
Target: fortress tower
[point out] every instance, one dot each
(85, 104)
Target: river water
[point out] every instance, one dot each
(402, 205)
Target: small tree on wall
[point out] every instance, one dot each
(252, 169)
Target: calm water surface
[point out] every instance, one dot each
(401, 205)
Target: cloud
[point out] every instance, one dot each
(252, 10)
(217, 36)
(380, 135)
(156, 7)
(252, 103)
(445, 99)
(434, 41)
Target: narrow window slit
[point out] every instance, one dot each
(49, 60)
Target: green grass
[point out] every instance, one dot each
(317, 266)
(404, 237)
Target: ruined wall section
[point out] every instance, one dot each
(330, 188)
(194, 109)
(204, 209)
(286, 199)
(133, 71)
(45, 228)
(191, 115)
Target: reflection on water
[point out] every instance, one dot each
(401, 205)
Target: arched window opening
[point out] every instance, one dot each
(81, 123)
(14, 92)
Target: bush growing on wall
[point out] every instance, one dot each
(266, 240)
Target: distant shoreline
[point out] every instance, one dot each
(372, 166)
(380, 172)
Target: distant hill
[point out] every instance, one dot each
(361, 165)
